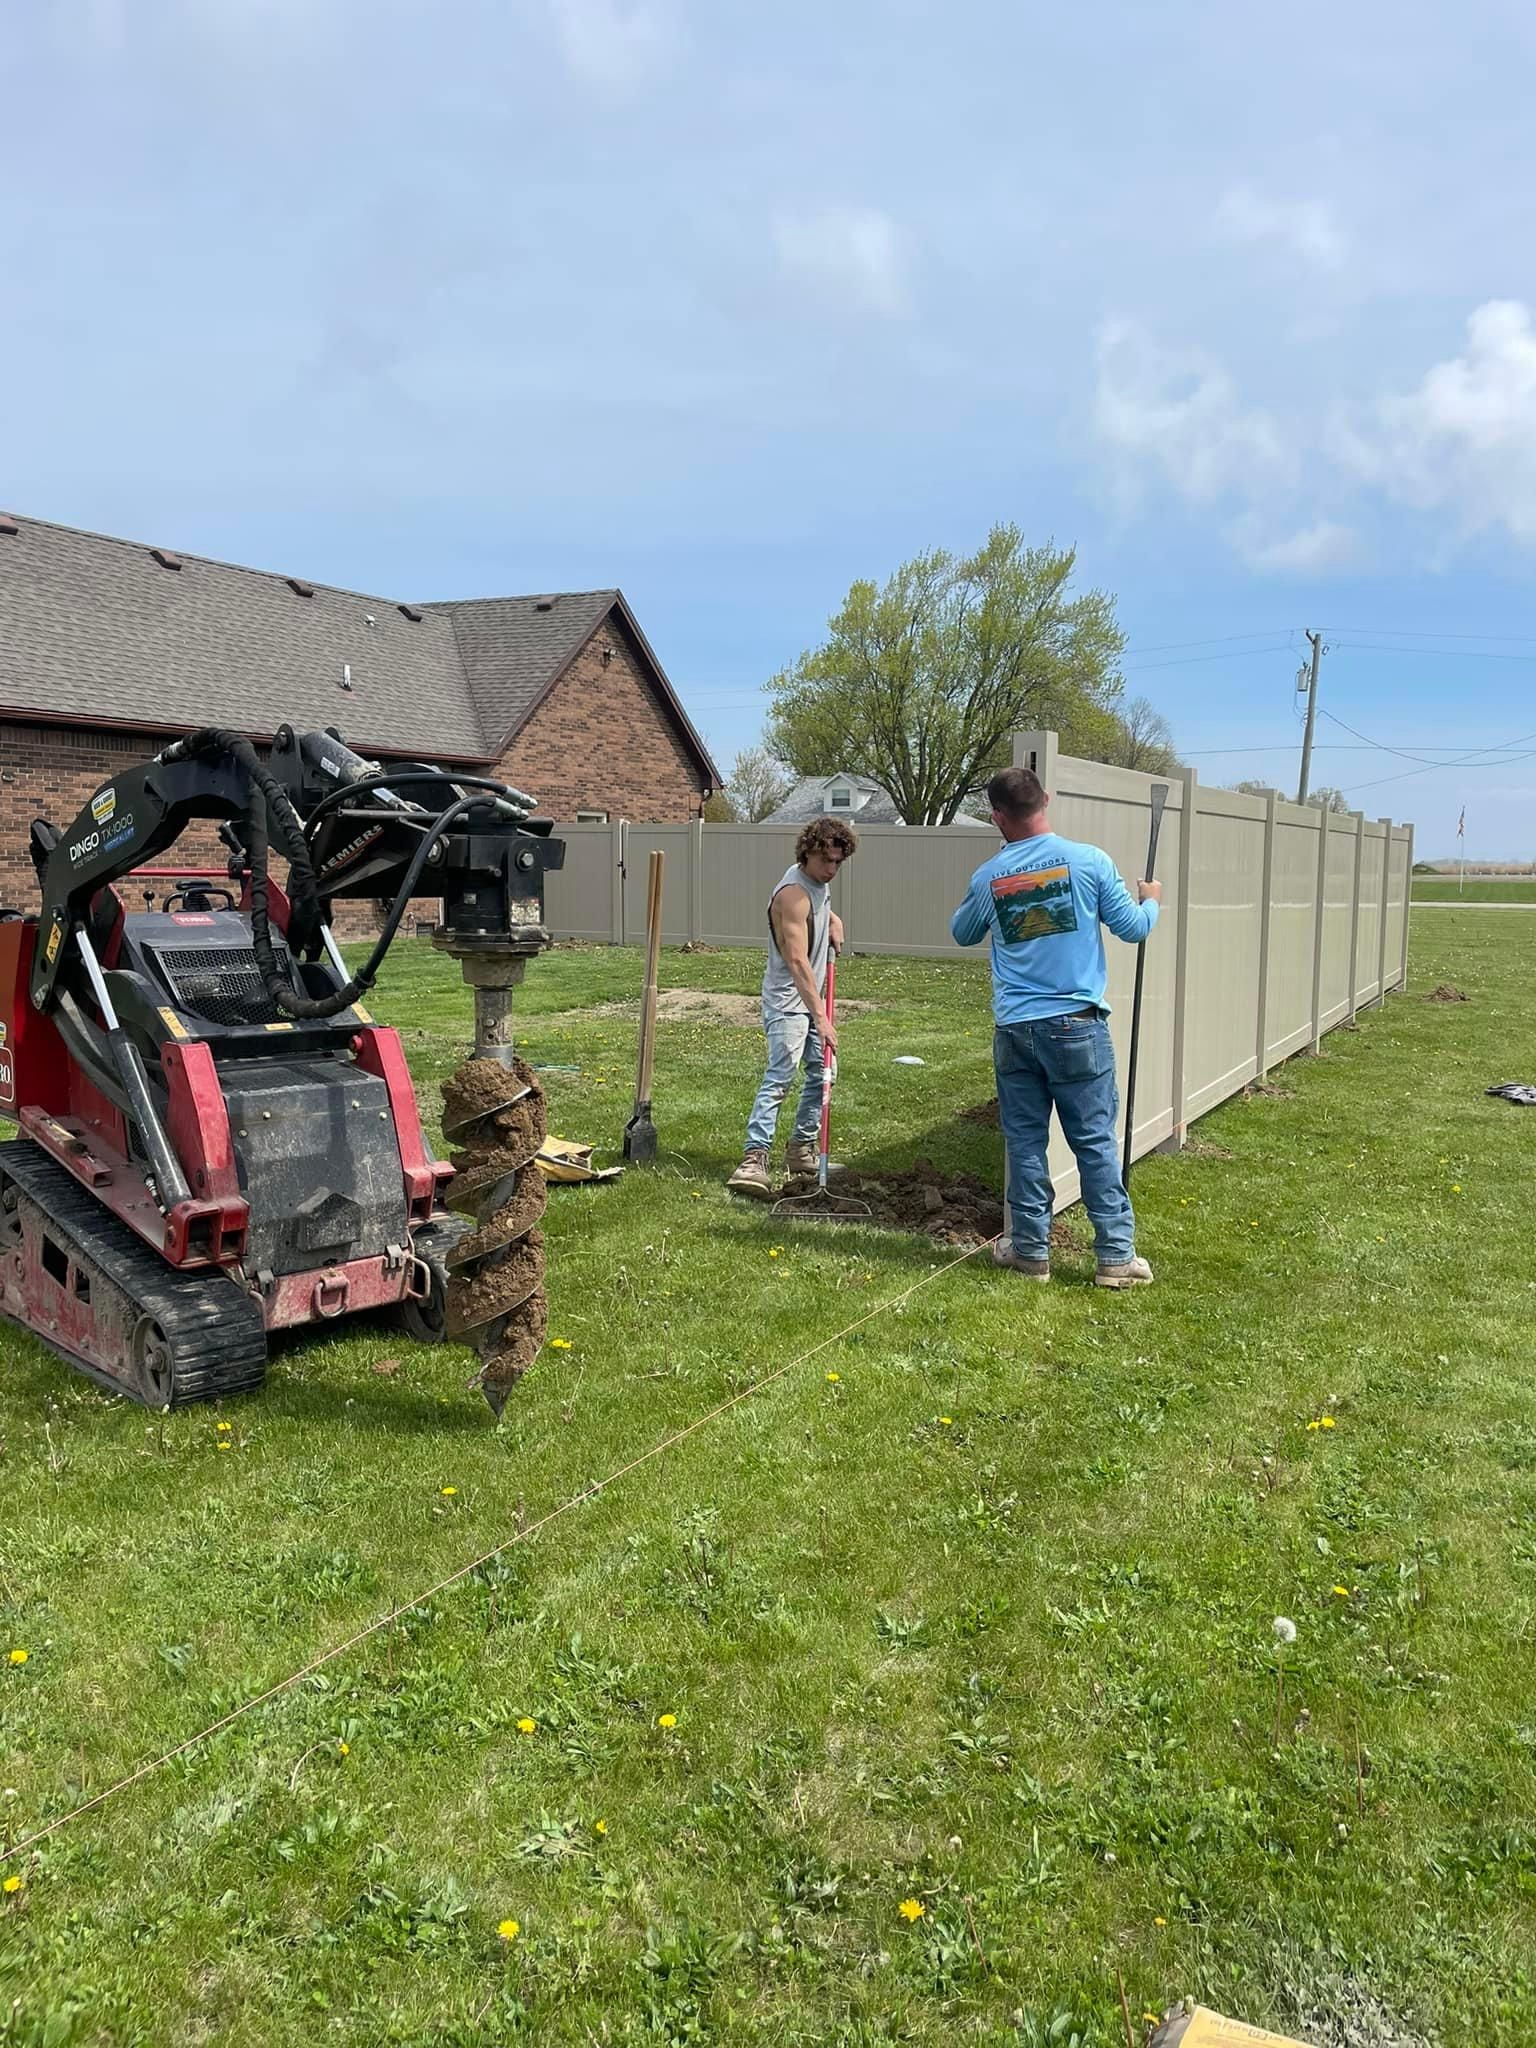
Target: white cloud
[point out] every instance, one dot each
(614, 44)
(1306, 227)
(1322, 549)
(1178, 413)
(1465, 440)
(851, 253)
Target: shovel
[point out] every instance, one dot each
(1159, 795)
(640, 1131)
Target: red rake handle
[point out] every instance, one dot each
(828, 1075)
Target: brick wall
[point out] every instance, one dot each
(602, 740)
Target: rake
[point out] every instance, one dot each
(830, 1208)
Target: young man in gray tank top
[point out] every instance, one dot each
(803, 931)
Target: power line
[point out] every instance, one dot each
(1424, 653)
(1417, 633)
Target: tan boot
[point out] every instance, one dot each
(801, 1158)
(752, 1178)
(1130, 1273)
(1030, 1269)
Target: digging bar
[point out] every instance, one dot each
(640, 1131)
(1159, 799)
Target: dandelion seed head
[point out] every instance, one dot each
(1285, 1630)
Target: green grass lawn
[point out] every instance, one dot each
(974, 1610)
(1478, 889)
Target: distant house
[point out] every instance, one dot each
(856, 797)
(109, 647)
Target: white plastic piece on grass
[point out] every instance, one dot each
(908, 1059)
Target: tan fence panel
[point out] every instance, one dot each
(904, 886)
(1221, 992)
(1292, 923)
(1338, 923)
(581, 898)
(1373, 859)
(676, 842)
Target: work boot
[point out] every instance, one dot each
(751, 1177)
(1125, 1273)
(802, 1157)
(1031, 1269)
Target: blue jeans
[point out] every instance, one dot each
(791, 1043)
(1067, 1062)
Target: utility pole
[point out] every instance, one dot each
(1306, 745)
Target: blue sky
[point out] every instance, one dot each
(731, 304)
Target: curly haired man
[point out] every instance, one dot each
(803, 931)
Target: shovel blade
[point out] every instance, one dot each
(640, 1138)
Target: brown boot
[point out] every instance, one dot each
(752, 1178)
(1129, 1273)
(801, 1158)
(1030, 1269)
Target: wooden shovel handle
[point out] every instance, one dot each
(652, 964)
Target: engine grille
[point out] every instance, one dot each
(221, 983)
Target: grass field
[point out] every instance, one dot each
(1478, 889)
(972, 1613)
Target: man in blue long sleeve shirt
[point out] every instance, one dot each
(1043, 901)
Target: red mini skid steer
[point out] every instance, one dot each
(216, 1139)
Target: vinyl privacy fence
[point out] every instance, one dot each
(1278, 922)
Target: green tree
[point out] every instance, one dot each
(757, 784)
(921, 683)
(1144, 739)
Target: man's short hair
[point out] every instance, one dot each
(1016, 792)
(826, 835)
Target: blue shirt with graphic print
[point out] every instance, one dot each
(1044, 901)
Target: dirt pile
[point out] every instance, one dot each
(1447, 992)
(951, 1208)
(984, 1113)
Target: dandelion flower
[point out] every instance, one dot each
(447, 1492)
(509, 1930)
(13, 1885)
(1342, 1591)
(911, 1909)
(343, 1749)
(946, 1422)
(1325, 1422)
(599, 1827)
(559, 1343)
(526, 1727)
(666, 1720)
(1285, 1631)
(226, 1425)
(20, 1656)
(1158, 1920)
(1455, 1187)
(834, 1377)
(224, 1443)
(774, 1252)
(694, 1195)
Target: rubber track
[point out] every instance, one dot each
(217, 1338)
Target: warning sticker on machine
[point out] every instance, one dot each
(7, 1075)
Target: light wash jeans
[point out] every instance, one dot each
(1068, 1063)
(791, 1043)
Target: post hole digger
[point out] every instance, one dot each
(216, 1138)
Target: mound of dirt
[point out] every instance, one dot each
(1447, 992)
(694, 1006)
(981, 1113)
(951, 1208)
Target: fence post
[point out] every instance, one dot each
(696, 882)
(1386, 898)
(1037, 750)
(1317, 930)
(1402, 967)
(1174, 1142)
(1266, 926)
(1354, 915)
(620, 850)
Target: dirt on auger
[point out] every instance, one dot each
(495, 1116)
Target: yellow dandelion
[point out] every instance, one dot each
(12, 1885)
(774, 1252)
(1158, 1920)
(226, 1425)
(1153, 2019)
(526, 1727)
(509, 1930)
(448, 1492)
(224, 1443)
(946, 1422)
(559, 1343)
(343, 1749)
(1314, 1425)
(1455, 1187)
(1325, 1422)
(694, 1195)
(20, 1656)
(599, 1827)
(1342, 1592)
(834, 1377)
(911, 1909)
(666, 1720)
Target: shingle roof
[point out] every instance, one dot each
(97, 629)
(812, 798)
(514, 647)
(115, 632)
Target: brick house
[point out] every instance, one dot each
(109, 647)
